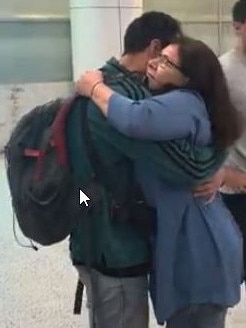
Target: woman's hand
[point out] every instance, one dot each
(88, 81)
(91, 85)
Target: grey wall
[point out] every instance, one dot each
(35, 57)
(23, 7)
(35, 35)
(35, 41)
(209, 20)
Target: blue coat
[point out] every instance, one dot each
(197, 247)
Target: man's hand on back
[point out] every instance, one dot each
(229, 177)
(209, 189)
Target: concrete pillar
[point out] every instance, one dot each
(97, 28)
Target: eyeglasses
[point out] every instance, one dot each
(165, 61)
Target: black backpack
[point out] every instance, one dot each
(44, 190)
(45, 184)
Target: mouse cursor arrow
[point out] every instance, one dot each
(83, 198)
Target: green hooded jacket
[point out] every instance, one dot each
(114, 244)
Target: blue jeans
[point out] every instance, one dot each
(199, 316)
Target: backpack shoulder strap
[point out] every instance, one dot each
(80, 107)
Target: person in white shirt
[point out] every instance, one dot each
(233, 176)
(234, 65)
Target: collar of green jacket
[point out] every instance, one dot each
(113, 66)
(115, 244)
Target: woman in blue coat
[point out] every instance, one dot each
(197, 248)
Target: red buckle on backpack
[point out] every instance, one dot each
(39, 155)
(32, 152)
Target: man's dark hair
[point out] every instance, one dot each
(149, 26)
(239, 11)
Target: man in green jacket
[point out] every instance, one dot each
(119, 255)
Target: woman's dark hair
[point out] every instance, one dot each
(202, 67)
